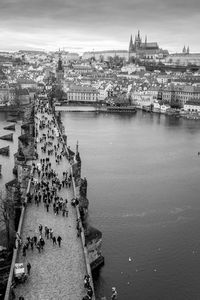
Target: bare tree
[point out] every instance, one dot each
(7, 217)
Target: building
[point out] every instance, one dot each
(183, 59)
(181, 94)
(104, 55)
(145, 50)
(83, 69)
(24, 96)
(131, 68)
(192, 107)
(60, 70)
(141, 98)
(72, 56)
(103, 93)
(27, 83)
(82, 94)
(4, 95)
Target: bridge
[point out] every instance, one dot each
(57, 271)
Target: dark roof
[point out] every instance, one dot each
(23, 92)
(25, 81)
(150, 45)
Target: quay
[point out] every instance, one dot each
(56, 272)
(109, 109)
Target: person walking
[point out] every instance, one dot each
(32, 243)
(54, 240)
(28, 268)
(35, 240)
(51, 233)
(38, 247)
(42, 243)
(59, 239)
(114, 294)
(24, 250)
(47, 207)
(40, 228)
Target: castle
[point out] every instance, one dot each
(145, 50)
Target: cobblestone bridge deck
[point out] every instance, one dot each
(57, 272)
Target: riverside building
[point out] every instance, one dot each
(82, 93)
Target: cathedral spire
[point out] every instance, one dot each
(188, 50)
(131, 43)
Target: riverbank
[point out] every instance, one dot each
(11, 108)
(97, 109)
(73, 107)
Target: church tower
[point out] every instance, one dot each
(184, 50)
(59, 70)
(138, 40)
(188, 50)
(130, 44)
(145, 41)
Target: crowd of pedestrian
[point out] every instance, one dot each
(46, 187)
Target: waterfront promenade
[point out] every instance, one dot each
(56, 272)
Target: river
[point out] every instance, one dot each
(7, 162)
(143, 176)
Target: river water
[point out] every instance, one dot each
(143, 176)
(7, 162)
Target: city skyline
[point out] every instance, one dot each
(89, 25)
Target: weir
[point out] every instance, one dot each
(56, 272)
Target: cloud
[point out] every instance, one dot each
(98, 23)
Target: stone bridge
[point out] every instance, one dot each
(56, 272)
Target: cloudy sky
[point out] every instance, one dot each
(83, 25)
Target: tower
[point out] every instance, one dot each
(188, 50)
(131, 44)
(60, 70)
(184, 50)
(145, 41)
(138, 40)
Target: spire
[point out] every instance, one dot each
(188, 50)
(77, 148)
(145, 39)
(139, 38)
(184, 49)
(131, 43)
(59, 61)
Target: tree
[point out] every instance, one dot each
(17, 97)
(7, 217)
(101, 58)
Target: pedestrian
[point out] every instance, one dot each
(35, 240)
(51, 233)
(90, 292)
(38, 247)
(114, 294)
(40, 228)
(47, 207)
(47, 233)
(54, 240)
(24, 250)
(28, 268)
(63, 211)
(42, 243)
(32, 243)
(59, 239)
